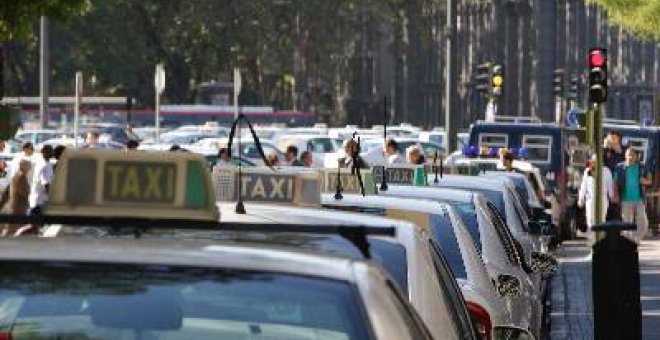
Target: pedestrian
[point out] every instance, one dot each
(631, 178)
(307, 159)
(506, 158)
(42, 176)
(57, 154)
(223, 159)
(92, 140)
(291, 156)
(272, 159)
(27, 151)
(352, 156)
(587, 194)
(132, 144)
(392, 155)
(415, 155)
(614, 152)
(17, 197)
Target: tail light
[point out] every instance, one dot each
(481, 320)
(5, 335)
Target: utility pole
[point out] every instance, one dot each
(44, 71)
(76, 107)
(451, 75)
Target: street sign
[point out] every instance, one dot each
(159, 79)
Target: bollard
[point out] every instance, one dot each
(615, 284)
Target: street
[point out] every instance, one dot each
(572, 314)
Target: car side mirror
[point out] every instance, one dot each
(511, 333)
(545, 264)
(507, 285)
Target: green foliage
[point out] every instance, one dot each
(17, 16)
(641, 17)
(315, 46)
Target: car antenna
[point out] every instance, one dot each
(355, 169)
(338, 195)
(383, 181)
(442, 166)
(435, 167)
(240, 207)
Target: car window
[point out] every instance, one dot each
(430, 150)
(320, 145)
(107, 301)
(468, 215)
(391, 256)
(503, 233)
(443, 233)
(521, 213)
(539, 148)
(452, 293)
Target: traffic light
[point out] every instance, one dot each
(574, 89)
(558, 82)
(482, 77)
(597, 75)
(497, 80)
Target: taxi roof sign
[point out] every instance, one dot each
(263, 185)
(349, 182)
(413, 175)
(118, 183)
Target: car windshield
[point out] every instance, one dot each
(108, 301)
(443, 233)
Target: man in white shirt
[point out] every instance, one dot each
(587, 194)
(41, 178)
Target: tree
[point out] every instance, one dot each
(17, 19)
(638, 16)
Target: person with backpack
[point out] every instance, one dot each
(631, 177)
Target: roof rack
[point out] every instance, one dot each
(614, 121)
(356, 234)
(516, 119)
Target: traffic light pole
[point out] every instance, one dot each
(598, 173)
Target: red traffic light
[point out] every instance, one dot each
(597, 57)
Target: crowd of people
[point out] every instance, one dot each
(624, 180)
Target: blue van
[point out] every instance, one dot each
(559, 153)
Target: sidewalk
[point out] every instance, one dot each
(572, 314)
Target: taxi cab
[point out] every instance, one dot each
(293, 197)
(121, 287)
(493, 241)
(450, 240)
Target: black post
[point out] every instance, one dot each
(615, 284)
(129, 108)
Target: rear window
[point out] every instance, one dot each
(468, 215)
(391, 256)
(443, 233)
(101, 301)
(496, 197)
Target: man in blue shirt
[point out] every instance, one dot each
(631, 178)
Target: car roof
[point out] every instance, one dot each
(265, 213)
(177, 252)
(386, 202)
(459, 195)
(469, 182)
